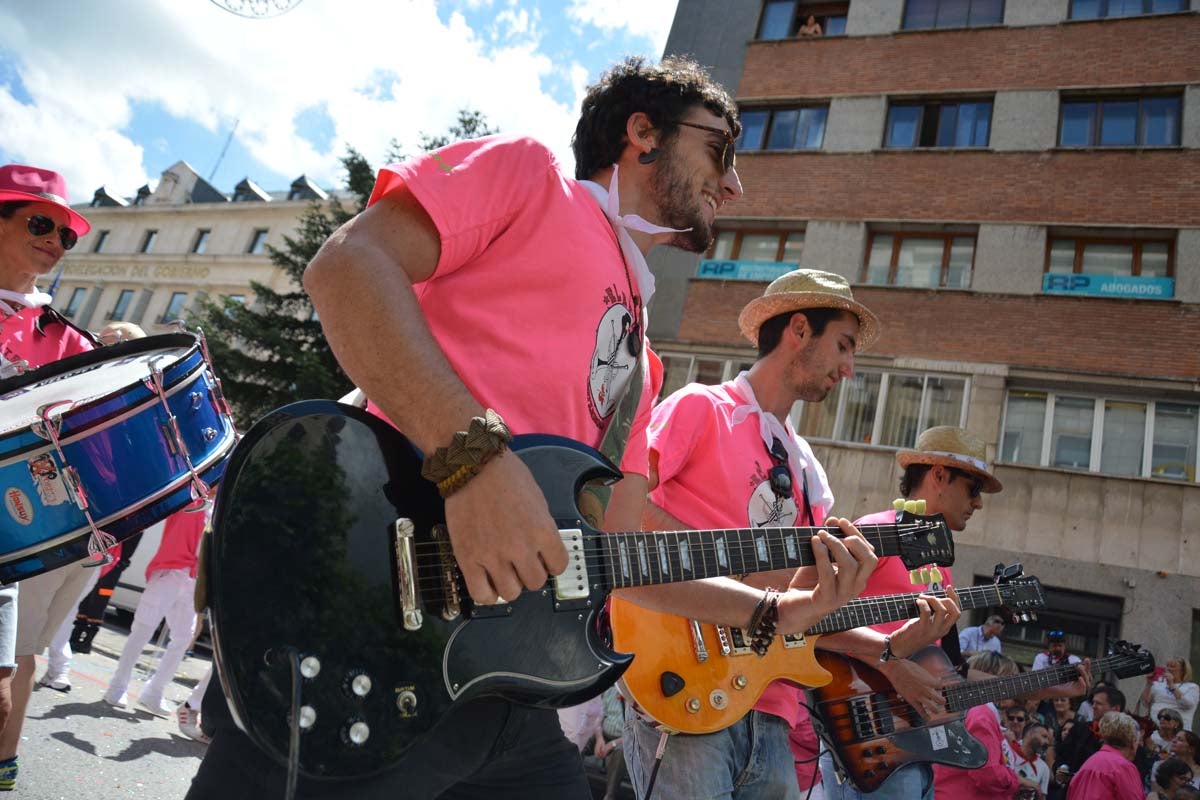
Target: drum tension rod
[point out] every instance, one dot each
(99, 541)
(174, 437)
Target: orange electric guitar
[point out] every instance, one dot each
(694, 678)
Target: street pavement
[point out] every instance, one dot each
(74, 745)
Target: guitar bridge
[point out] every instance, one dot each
(406, 576)
(452, 609)
(572, 584)
(870, 716)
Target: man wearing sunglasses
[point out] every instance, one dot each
(1055, 652)
(37, 227)
(727, 456)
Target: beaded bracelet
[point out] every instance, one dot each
(451, 467)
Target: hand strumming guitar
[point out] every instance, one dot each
(503, 536)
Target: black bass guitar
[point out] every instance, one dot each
(873, 732)
(330, 560)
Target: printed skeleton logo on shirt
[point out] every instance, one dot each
(613, 362)
(766, 509)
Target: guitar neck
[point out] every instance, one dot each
(646, 558)
(896, 607)
(962, 696)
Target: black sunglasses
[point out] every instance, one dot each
(780, 475)
(40, 225)
(727, 151)
(976, 483)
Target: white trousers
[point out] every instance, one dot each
(168, 595)
(60, 645)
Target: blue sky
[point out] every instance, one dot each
(128, 88)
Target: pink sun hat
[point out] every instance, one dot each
(21, 182)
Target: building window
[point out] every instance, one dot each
(258, 242)
(781, 247)
(1115, 436)
(680, 369)
(174, 307)
(784, 19)
(1151, 258)
(148, 240)
(920, 14)
(101, 240)
(76, 300)
(924, 260)
(1127, 121)
(200, 244)
(783, 128)
(884, 408)
(1096, 9)
(122, 305)
(939, 123)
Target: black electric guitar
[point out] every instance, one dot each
(330, 560)
(873, 732)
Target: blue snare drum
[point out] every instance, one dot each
(97, 446)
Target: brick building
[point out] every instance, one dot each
(1014, 187)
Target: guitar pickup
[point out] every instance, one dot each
(572, 584)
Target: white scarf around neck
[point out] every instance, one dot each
(35, 299)
(610, 202)
(801, 459)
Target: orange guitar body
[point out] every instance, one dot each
(674, 685)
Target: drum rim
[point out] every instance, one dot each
(79, 360)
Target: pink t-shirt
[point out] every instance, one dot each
(530, 300)
(713, 474)
(180, 541)
(996, 779)
(20, 340)
(1106, 774)
(892, 577)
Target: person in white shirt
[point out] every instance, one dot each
(1055, 652)
(1031, 768)
(981, 638)
(1172, 688)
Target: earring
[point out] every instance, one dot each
(648, 158)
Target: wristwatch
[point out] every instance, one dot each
(887, 654)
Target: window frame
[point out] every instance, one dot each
(936, 27)
(78, 295)
(1103, 11)
(924, 105)
(769, 126)
(1097, 125)
(124, 296)
(822, 11)
(149, 238)
(101, 240)
(1099, 400)
(1136, 242)
(898, 237)
(167, 316)
(258, 242)
(200, 241)
(740, 233)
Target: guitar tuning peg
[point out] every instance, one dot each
(920, 508)
(898, 504)
(914, 576)
(910, 506)
(935, 575)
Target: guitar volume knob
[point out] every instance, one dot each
(310, 667)
(740, 682)
(356, 733)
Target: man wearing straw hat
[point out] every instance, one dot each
(727, 456)
(948, 469)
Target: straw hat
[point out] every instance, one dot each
(807, 288)
(37, 185)
(948, 446)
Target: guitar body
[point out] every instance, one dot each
(873, 732)
(305, 558)
(671, 683)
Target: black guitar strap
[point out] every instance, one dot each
(953, 651)
(615, 438)
(51, 316)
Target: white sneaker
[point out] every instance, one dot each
(189, 723)
(155, 706)
(62, 684)
(121, 702)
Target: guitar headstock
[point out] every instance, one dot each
(1020, 594)
(924, 539)
(1130, 660)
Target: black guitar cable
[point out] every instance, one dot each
(658, 756)
(293, 765)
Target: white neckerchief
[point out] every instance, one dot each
(801, 459)
(35, 299)
(610, 203)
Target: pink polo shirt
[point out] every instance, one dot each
(714, 474)
(892, 577)
(21, 341)
(996, 779)
(530, 300)
(1106, 774)
(180, 542)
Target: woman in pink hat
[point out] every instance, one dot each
(37, 228)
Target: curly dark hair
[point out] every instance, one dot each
(664, 92)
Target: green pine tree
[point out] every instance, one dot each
(274, 352)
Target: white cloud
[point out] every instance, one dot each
(387, 70)
(648, 19)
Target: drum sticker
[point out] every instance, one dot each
(48, 479)
(937, 737)
(18, 505)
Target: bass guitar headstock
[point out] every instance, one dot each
(1019, 594)
(1129, 660)
(923, 540)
